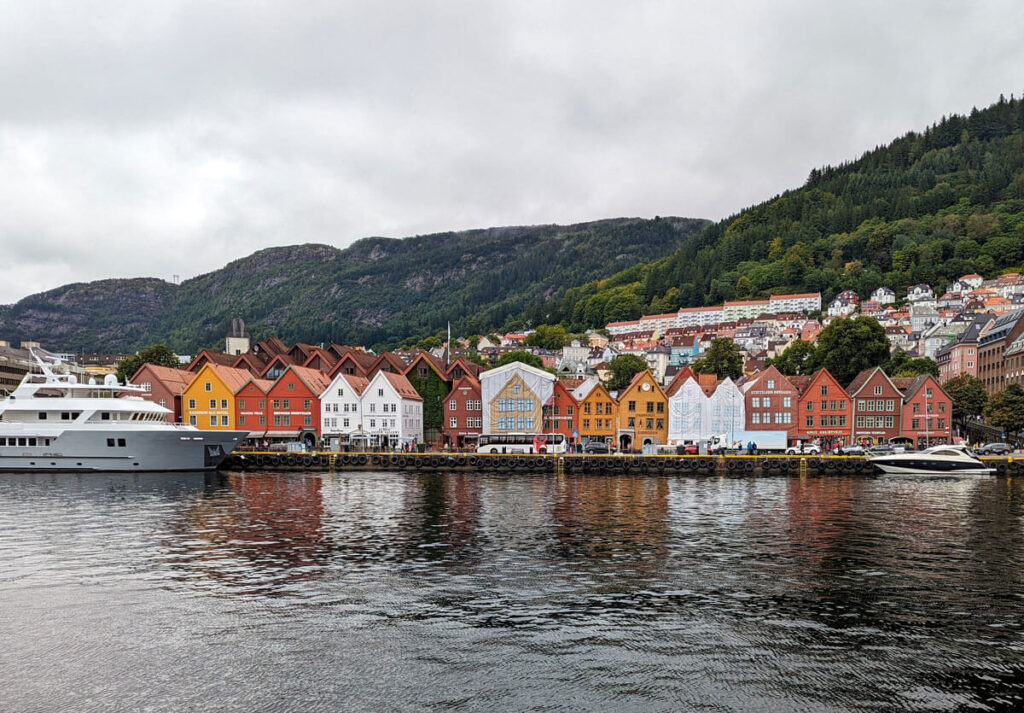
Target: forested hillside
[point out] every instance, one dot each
(928, 207)
(377, 292)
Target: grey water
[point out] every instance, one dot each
(475, 592)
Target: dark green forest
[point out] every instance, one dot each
(928, 208)
(377, 292)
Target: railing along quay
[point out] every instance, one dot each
(684, 465)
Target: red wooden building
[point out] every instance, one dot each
(561, 412)
(163, 386)
(251, 407)
(771, 403)
(463, 414)
(294, 404)
(927, 411)
(824, 411)
(877, 407)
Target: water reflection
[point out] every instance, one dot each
(484, 592)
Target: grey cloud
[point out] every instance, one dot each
(201, 131)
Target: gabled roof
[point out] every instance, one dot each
(249, 362)
(861, 380)
(432, 361)
(680, 378)
(514, 366)
(232, 378)
(283, 360)
(466, 381)
(390, 360)
(469, 367)
(400, 384)
(212, 357)
(175, 380)
(356, 382)
(314, 379)
(262, 384)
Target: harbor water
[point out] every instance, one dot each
(380, 591)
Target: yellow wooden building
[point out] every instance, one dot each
(643, 413)
(597, 412)
(208, 402)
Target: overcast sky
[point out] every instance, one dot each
(158, 138)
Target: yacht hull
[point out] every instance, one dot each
(113, 450)
(910, 465)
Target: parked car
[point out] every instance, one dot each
(882, 449)
(995, 449)
(807, 449)
(852, 449)
(596, 447)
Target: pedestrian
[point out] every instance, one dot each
(753, 448)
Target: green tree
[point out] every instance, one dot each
(548, 336)
(428, 343)
(848, 346)
(520, 356)
(797, 358)
(1006, 410)
(969, 399)
(901, 364)
(744, 288)
(721, 359)
(624, 367)
(159, 354)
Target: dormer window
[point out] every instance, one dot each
(42, 415)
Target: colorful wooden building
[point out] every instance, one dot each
(642, 413)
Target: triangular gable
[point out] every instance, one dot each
(861, 380)
(639, 378)
(680, 378)
(209, 357)
(431, 362)
(400, 384)
(281, 361)
(314, 380)
(230, 378)
(262, 385)
(249, 363)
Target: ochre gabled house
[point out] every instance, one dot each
(643, 413)
(208, 402)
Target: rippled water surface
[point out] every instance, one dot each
(391, 592)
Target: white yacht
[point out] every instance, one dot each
(51, 422)
(937, 460)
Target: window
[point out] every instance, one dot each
(213, 404)
(823, 420)
(241, 404)
(916, 408)
(380, 392)
(650, 407)
(810, 405)
(787, 402)
(755, 418)
(453, 422)
(213, 420)
(147, 386)
(208, 386)
(586, 423)
(344, 423)
(660, 423)
(650, 423)
(842, 420)
(277, 419)
(224, 420)
(915, 423)
(263, 420)
(661, 407)
(515, 389)
(291, 386)
(860, 422)
(110, 443)
(771, 383)
(889, 421)
(192, 420)
(277, 403)
(452, 405)
(631, 423)
(162, 402)
(307, 420)
(766, 402)
(223, 403)
(286, 420)
(373, 423)
(878, 391)
(263, 404)
(632, 406)
(341, 392)
(586, 408)
(942, 407)
(191, 403)
(755, 402)
(809, 421)
(824, 389)
(373, 408)
(890, 404)
(286, 403)
(569, 410)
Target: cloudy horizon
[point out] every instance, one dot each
(169, 138)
